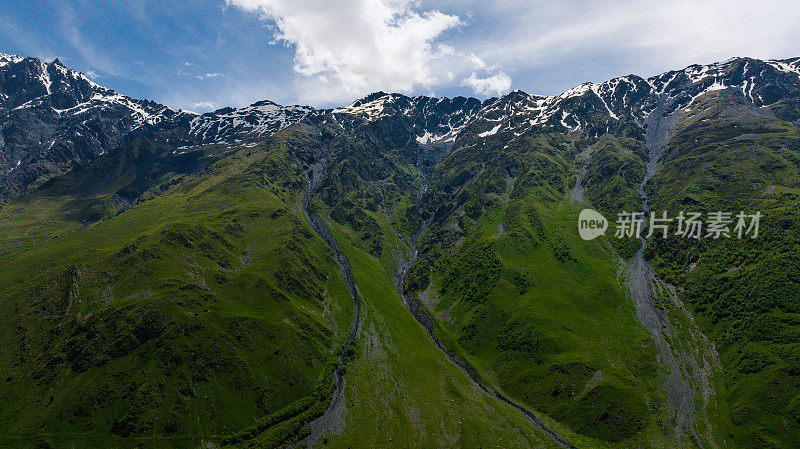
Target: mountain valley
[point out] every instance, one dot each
(402, 271)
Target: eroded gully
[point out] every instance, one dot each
(684, 375)
(333, 418)
(418, 310)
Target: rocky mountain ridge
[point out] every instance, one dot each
(53, 118)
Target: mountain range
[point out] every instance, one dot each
(402, 271)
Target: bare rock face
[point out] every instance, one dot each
(53, 119)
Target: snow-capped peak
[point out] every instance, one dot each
(77, 93)
(434, 120)
(598, 108)
(259, 119)
(9, 59)
(370, 107)
(577, 91)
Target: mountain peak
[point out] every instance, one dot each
(264, 103)
(6, 59)
(514, 95)
(374, 96)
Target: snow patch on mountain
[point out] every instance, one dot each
(258, 120)
(491, 132)
(428, 138)
(9, 59)
(787, 65)
(447, 133)
(88, 95)
(16, 166)
(597, 108)
(434, 120)
(593, 108)
(371, 109)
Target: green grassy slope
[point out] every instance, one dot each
(188, 316)
(403, 392)
(726, 156)
(540, 313)
(512, 288)
(163, 304)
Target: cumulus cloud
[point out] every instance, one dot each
(571, 41)
(352, 47)
(203, 106)
(496, 84)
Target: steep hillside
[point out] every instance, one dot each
(728, 155)
(187, 300)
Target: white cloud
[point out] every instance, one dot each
(496, 84)
(590, 40)
(92, 74)
(351, 47)
(477, 62)
(200, 76)
(207, 75)
(203, 106)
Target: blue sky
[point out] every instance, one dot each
(206, 54)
